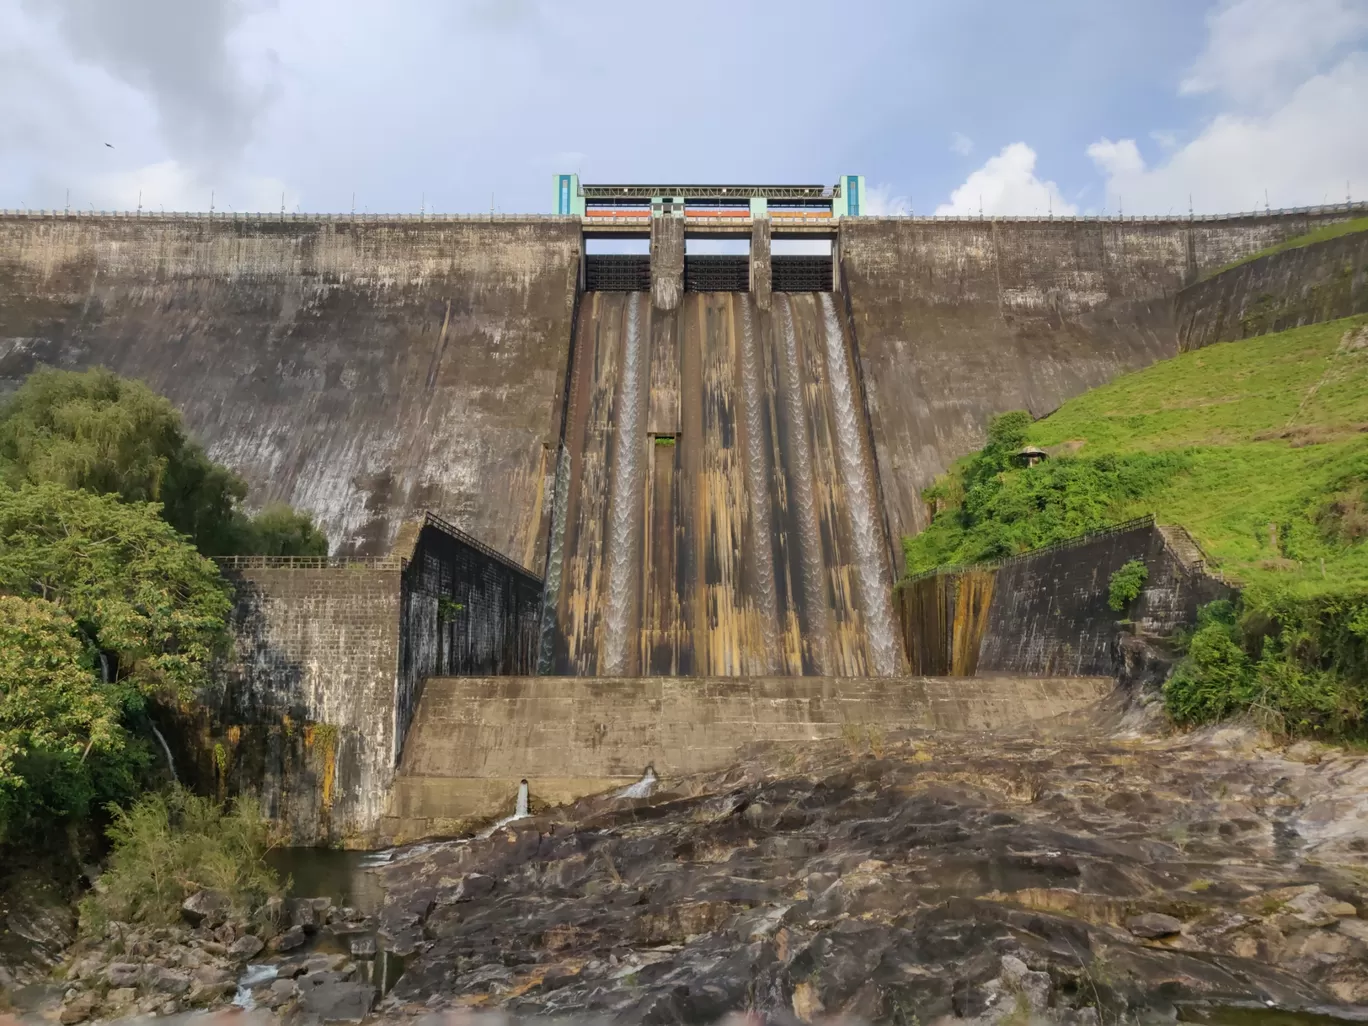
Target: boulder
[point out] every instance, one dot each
(1153, 924)
(1019, 978)
(289, 940)
(124, 974)
(121, 997)
(213, 974)
(79, 1008)
(209, 908)
(209, 993)
(168, 981)
(280, 992)
(337, 1002)
(305, 916)
(245, 947)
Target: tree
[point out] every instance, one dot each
(150, 609)
(60, 735)
(97, 431)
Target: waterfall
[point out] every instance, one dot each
(520, 808)
(871, 565)
(762, 531)
(555, 560)
(170, 762)
(624, 524)
(800, 487)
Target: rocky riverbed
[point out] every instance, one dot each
(1086, 878)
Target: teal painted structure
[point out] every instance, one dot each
(846, 198)
(851, 200)
(569, 200)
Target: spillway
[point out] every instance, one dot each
(719, 516)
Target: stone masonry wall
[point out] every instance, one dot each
(1047, 613)
(1307, 285)
(315, 654)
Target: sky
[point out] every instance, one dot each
(463, 106)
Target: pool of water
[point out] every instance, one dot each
(328, 872)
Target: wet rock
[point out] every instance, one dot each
(208, 908)
(291, 939)
(79, 1008)
(247, 946)
(280, 992)
(1154, 924)
(203, 992)
(335, 1001)
(305, 916)
(363, 947)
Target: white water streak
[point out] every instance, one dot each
(170, 762)
(800, 487)
(624, 524)
(871, 567)
(762, 536)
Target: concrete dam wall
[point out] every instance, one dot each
(721, 515)
(1320, 282)
(957, 320)
(365, 372)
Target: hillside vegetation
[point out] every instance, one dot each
(1260, 449)
(1322, 234)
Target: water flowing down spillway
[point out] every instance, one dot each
(624, 526)
(871, 563)
(720, 515)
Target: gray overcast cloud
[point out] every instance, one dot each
(944, 105)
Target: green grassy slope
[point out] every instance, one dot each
(1329, 231)
(1271, 435)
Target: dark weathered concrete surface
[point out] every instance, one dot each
(474, 739)
(958, 320)
(1047, 612)
(739, 530)
(1307, 285)
(362, 371)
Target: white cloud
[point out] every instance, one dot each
(1258, 49)
(170, 185)
(1007, 184)
(961, 144)
(1302, 151)
(880, 202)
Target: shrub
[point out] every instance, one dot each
(1298, 663)
(1125, 585)
(168, 846)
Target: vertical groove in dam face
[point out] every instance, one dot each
(871, 565)
(761, 548)
(625, 525)
(802, 502)
(721, 517)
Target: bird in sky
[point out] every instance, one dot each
(110, 145)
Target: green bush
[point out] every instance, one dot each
(1298, 663)
(988, 508)
(169, 846)
(1125, 586)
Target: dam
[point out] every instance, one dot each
(596, 509)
